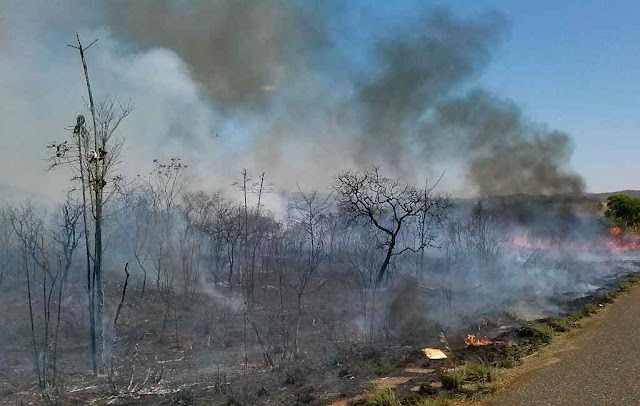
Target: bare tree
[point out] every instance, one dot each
(388, 205)
(308, 213)
(7, 244)
(361, 248)
(67, 238)
(37, 248)
(162, 188)
(29, 227)
(277, 259)
(93, 156)
(197, 210)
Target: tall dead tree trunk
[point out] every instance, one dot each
(97, 154)
(96, 184)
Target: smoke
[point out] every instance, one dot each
(419, 67)
(280, 64)
(237, 50)
(300, 91)
(506, 153)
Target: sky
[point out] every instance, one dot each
(570, 66)
(576, 66)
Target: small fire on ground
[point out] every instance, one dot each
(473, 340)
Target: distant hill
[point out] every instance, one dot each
(604, 196)
(564, 197)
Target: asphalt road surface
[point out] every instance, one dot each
(597, 365)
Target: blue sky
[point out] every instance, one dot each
(576, 66)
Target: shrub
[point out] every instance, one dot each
(438, 401)
(589, 309)
(513, 355)
(634, 279)
(565, 324)
(454, 378)
(383, 397)
(481, 371)
(537, 333)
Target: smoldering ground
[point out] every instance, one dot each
(478, 270)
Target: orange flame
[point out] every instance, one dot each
(474, 341)
(615, 242)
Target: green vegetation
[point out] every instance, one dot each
(589, 309)
(537, 333)
(388, 397)
(565, 324)
(623, 210)
(383, 397)
(481, 371)
(472, 376)
(454, 378)
(439, 401)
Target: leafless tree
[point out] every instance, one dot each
(197, 210)
(93, 156)
(307, 213)
(29, 228)
(364, 257)
(7, 244)
(277, 259)
(162, 188)
(37, 248)
(67, 237)
(389, 206)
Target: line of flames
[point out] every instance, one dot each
(615, 242)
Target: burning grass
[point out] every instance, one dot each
(615, 241)
(475, 341)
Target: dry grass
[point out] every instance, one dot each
(383, 397)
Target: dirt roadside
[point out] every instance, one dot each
(598, 364)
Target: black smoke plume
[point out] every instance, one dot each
(284, 65)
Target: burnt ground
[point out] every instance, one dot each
(181, 351)
(177, 361)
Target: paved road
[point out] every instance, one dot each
(599, 365)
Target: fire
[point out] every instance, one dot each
(474, 341)
(615, 242)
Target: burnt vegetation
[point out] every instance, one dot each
(212, 297)
(150, 290)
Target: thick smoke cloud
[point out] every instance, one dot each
(237, 49)
(300, 91)
(506, 153)
(419, 67)
(275, 59)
